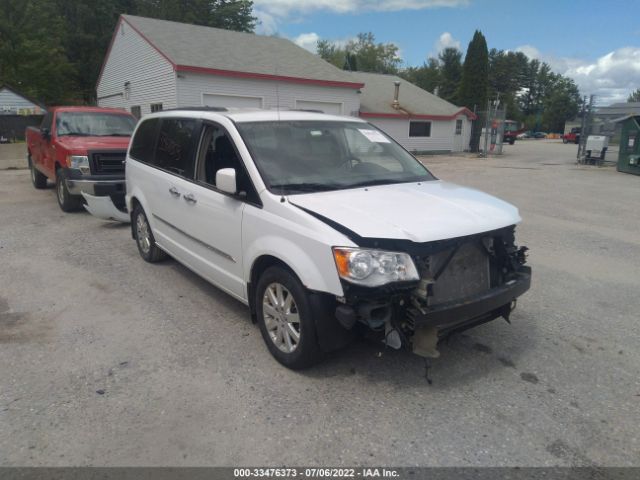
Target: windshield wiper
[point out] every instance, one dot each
(379, 181)
(114, 135)
(305, 187)
(75, 134)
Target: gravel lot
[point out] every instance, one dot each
(108, 360)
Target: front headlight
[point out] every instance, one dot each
(80, 162)
(372, 268)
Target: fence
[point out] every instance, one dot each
(13, 126)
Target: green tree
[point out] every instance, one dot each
(635, 96)
(228, 14)
(562, 103)
(474, 84)
(450, 74)
(426, 77)
(32, 53)
(362, 54)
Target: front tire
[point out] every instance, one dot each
(149, 250)
(38, 179)
(67, 201)
(285, 319)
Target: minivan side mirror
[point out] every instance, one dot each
(226, 180)
(46, 134)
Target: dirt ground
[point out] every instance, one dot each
(108, 360)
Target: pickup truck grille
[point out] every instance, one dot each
(108, 162)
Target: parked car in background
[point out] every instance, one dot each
(4, 139)
(523, 135)
(573, 136)
(83, 150)
(539, 135)
(321, 224)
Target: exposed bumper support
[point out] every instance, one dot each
(477, 309)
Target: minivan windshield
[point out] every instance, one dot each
(306, 156)
(94, 124)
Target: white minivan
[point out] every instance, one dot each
(323, 225)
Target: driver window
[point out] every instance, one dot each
(217, 152)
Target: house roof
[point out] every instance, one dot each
(229, 53)
(620, 109)
(378, 93)
(20, 94)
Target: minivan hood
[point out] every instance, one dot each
(420, 212)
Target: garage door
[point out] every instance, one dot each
(232, 101)
(331, 108)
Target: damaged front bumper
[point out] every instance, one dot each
(494, 303)
(104, 207)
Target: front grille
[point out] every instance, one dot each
(466, 273)
(108, 163)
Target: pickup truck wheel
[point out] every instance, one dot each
(147, 247)
(38, 179)
(564, 140)
(285, 319)
(67, 202)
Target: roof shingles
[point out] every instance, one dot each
(200, 48)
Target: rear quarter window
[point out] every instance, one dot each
(144, 141)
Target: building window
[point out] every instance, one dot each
(156, 107)
(136, 111)
(419, 129)
(458, 127)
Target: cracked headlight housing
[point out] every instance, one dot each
(80, 162)
(373, 268)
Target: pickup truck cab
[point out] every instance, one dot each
(573, 136)
(323, 225)
(83, 150)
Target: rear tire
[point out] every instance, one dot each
(38, 179)
(149, 250)
(68, 203)
(286, 320)
(564, 140)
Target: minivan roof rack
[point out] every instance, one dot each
(197, 109)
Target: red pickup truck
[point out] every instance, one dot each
(572, 137)
(82, 149)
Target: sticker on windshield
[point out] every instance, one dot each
(374, 136)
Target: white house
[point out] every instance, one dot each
(13, 102)
(417, 119)
(155, 64)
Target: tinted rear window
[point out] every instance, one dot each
(177, 143)
(144, 141)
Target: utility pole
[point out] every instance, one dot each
(585, 127)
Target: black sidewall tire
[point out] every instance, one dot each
(155, 253)
(38, 180)
(307, 353)
(71, 203)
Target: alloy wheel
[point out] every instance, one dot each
(281, 317)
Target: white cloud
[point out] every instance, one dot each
(446, 40)
(270, 12)
(611, 77)
(308, 41)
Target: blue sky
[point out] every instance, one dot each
(596, 43)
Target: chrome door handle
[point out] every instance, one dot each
(189, 198)
(173, 191)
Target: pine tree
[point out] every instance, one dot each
(635, 96)
(474, 85)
